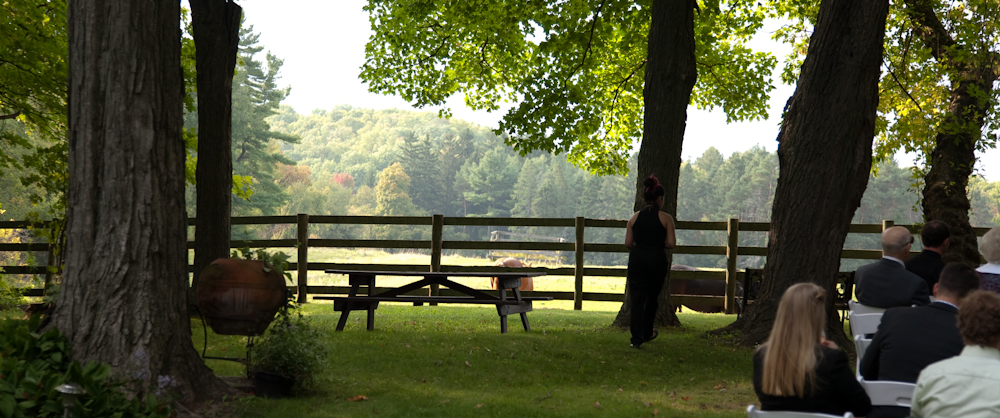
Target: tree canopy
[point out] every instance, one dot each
(576, 69)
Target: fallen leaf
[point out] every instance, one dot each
(686, 398)
(602, 362)
(446, 401)
(358, 398)
(722, 390)
(644, 383)
(407, 346)
(719, 386)
(620, 390)
(646, 404)
(487, 348)
(656, 412)
(692, 379)
(479, 405)
(597, 404)
(468, 364)
(671, 394)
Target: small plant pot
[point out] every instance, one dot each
(272, 385)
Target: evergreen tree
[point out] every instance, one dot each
(525, 188)
(490, 183)
(256, 96)
(422, 164)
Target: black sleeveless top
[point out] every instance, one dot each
(647, 231)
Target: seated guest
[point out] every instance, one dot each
(886, 283)
(991, 252)
(909, 339)
(797, 369)
(966, 386)
(935, 237)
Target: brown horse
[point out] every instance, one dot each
(526, 282)
(700, 287)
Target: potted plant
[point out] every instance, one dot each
(287, 356)
(240, 295)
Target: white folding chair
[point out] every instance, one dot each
(863, 309)
(889, 393)
(864, 324)
(860, 345)
(752, 412)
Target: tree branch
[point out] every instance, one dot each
(10, 116)
(893, 74)
(590, 42)
(931, 30)
(619, 88)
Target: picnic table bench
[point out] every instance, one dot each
(359, 279)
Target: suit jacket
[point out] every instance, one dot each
(927, 265)
(907, 341)
(887, 284)
(837, 390)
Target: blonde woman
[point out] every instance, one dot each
(990, 272)
(798, 369)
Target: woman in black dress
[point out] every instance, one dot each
(649, 234)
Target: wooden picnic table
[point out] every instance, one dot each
(359, 279)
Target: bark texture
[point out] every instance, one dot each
(825, 156)
(123, 298)
(952, 160)
(670, 77)
(216, 25)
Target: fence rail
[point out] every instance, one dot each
(732, 251)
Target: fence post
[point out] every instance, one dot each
(578, 290)
(733, 229)
(437, 234)
(887, 224)
(302, 240)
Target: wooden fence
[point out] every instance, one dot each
(437, 244)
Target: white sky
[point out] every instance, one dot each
(322, 43)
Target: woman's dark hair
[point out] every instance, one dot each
(653, 189)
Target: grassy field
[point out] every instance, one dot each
(452, 361)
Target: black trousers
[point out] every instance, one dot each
(644, 293)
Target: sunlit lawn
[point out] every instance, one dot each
(451, 360)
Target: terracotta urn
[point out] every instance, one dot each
(237, 297)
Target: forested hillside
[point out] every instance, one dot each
(394, 162)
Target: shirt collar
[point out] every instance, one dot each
(894, 259)
(989, 268)
(946, 303)
(980, 351)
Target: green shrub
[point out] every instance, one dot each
(33, 364)
(10, 297)
(292, 348)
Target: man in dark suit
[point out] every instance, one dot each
(935, 237)
(909, 339)
(886, 283)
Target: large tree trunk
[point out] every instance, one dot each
(216, 25)
(953, 157)
(670, 77)
(945, 195)
(825, 156)
(123, 300)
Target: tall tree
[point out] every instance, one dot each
(216, 25)
(938, 100)
(671, 72)
(256, 96)
(124, 293)
(423, 166)
(972, 67)
(828, 127)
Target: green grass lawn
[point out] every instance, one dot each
(424, 361)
